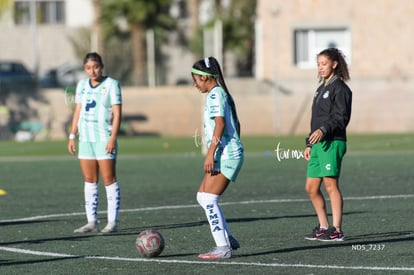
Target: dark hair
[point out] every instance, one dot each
(210, 67)
(93, 56)
(341, 69)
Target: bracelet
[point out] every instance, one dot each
(72, 136)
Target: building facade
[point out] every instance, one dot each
(375, 35)
(46, 43)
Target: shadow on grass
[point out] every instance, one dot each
(23, 222)
(135, 230)
(38, 241)
(12, 262)
(177, 255)
(242, 220)
(368, 240)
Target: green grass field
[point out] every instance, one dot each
(267, 210)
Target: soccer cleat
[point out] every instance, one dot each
(223, 252)
(89, 227)
(317, 233)
(110, 228)
(234, 244)
(332, 235)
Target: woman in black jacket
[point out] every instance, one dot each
(326, 143)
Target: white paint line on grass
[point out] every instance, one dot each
(169, 207)
(235, 263)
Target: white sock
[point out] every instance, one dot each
(91, 201)
(215, 217)
(113, 196)
(226, 227)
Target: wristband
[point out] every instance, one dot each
(72, 136)
(308, 144)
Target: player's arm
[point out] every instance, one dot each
(116, 123)
(308, 148)
(215, 141)
(74, 129)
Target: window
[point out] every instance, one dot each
(309, 42)
(47, 12)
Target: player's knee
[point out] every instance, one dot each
(200, 198)
(331, 186)
(311, 189)
(108, 180)
(308, 189)
(206, 198)
(91, 179)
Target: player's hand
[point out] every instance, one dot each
(71, 146)
(111, 147)
(307, 152)
(316, 136)
(209, 165)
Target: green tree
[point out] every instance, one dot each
(140, 16)
(238, 32)
(4, 4)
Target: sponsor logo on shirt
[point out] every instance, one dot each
(89, 105)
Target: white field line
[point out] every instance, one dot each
(169, 207)
(235, 263)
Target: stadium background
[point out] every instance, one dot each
(276, 99)
(176, 110)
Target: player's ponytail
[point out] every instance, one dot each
(215, 66)
(210, 67)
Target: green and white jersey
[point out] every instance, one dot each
(217, 105)
(95, 121)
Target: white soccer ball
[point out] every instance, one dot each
(150, 243)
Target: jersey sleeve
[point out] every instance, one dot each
(78, 92)
(216, 103)
(116, 96)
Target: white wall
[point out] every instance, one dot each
(79, 13)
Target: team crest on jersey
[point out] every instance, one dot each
(326, 95)
(213, 96)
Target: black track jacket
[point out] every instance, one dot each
(331, 109)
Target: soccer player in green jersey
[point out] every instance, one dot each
(224, 156)
(97, 117)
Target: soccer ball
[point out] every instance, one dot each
(150, 243)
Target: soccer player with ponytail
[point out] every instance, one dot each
(326, 143)
(224, 156)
